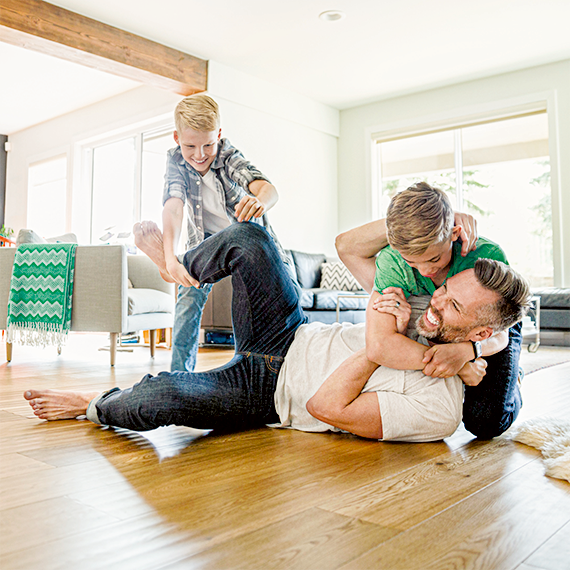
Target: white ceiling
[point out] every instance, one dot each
(382, 48)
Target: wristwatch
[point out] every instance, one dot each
(476, 349)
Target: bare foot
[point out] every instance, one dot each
(148, 238)
(59, 404)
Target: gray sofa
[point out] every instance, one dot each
(320, 304)
(554, 315)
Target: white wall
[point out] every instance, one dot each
(292, 139)
(548, 83)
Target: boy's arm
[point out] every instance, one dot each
(358, 248)
(341, 403)
(264, 197)
(172, 217)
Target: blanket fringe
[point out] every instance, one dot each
(37, 334)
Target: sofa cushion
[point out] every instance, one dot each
(149, 301)
(308, 267)
(325, 300)
(307, 299)
(30, 236)
(553, 297)
(336, 276)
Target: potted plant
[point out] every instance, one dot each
(5, 236)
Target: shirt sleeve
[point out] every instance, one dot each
(240, 170)
(391, 272)
(485, 249)
(175, 185)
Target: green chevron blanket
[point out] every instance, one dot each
(39, 307)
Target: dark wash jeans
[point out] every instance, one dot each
(265, 312)
(491, 407)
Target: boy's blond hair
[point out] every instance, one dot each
(199, 112)
(419, 217)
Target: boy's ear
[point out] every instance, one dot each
(220, 134)
(176, 138)
(455, 233)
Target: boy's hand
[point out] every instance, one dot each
(249, 207)
(472, 373)
(178, 272)
(446, 360)
(393, 302)
(468, 233)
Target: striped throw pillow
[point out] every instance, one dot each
(337, 277)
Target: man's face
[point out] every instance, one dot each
(452, 315)
(198, 148)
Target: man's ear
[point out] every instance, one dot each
(176, 138)
(455, 232)
(480, 333)
(220, 134)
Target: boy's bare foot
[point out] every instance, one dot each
(148, 238)
(59, 404)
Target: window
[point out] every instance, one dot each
(126, 180)
(497, 171)
(47, 196)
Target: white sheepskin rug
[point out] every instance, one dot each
(552, 437)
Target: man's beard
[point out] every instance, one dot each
(444, 333)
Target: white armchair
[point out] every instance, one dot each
(102, 300)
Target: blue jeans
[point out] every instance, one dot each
(186, 328)
(491, 407)
(265, 312)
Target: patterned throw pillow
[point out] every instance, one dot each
(337, 277)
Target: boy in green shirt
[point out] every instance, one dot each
(424, 251)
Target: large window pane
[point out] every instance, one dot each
(113, 212)
(47, 191)
(511, 199)
(428, 158)
(505, 173)
(153, 166)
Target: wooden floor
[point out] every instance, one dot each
(76, 495)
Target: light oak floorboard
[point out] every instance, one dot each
(76, 494)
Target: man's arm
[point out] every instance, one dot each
(172, 217)
(341, 403)
(264, 197)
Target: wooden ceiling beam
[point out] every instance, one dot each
(49, 29)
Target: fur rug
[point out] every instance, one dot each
(552, 437)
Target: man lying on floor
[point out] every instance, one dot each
(310, 377)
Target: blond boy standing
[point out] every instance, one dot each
(208, 186)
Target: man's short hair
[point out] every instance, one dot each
(419, 217)
(512, 288)
(199, 112)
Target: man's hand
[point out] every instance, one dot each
(393, 302)
(472, 373)
(178, 272)
(446, 360)
(249, 207)
(468, 233)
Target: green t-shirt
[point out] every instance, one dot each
(393, 271)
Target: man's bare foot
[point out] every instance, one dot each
(59, 404)
(148, 238)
